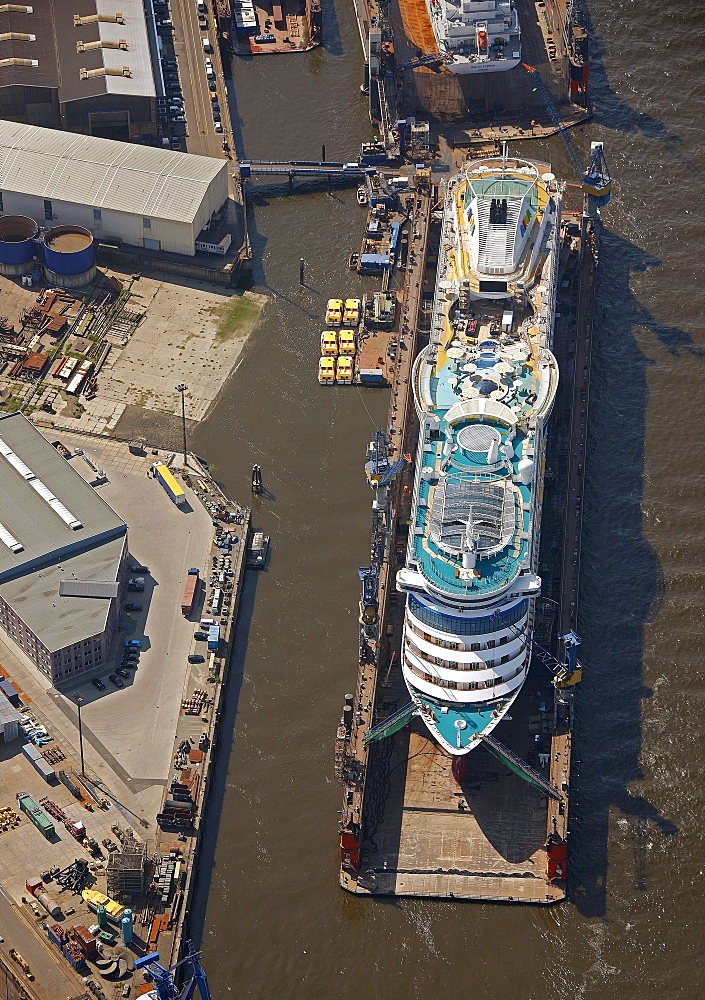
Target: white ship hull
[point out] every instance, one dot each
(484, 388)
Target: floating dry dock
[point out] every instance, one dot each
(408, 826)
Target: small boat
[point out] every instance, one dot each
(326, 371)
(334, 312)
(346, 342)
(362, 198)
(353, 261)
(344, 370)
(257, 555)
(352, 311)
(329, 343)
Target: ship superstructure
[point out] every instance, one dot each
(484, 36)
(484, 388)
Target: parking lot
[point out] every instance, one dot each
(191, 63)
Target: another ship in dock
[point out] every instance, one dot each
(476, 36)
(484, 388)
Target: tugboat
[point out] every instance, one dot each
(259, 547)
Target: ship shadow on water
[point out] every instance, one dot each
(611, 111)
(622, 583)
(210, 820)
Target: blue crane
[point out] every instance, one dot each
(394, 470)
(163, 979)
(427, 60)
(595, 180)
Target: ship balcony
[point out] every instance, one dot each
(462, 692)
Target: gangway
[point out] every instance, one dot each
(521, 768)
(306, 168)
(391, 725)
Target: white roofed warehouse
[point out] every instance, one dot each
(140, 195)
(63, 556)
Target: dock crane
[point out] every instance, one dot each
(163, 979)
(595, 179)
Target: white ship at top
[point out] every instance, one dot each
(484, 388)
(483, 35)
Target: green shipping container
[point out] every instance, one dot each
(32, 811)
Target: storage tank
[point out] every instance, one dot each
(17, 243)
(69, 256)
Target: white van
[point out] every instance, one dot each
(207, 47)
(207, 622)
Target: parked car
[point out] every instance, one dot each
(196, 658)
(117, 681)
(131, 606)
(97, 683)
(200, 636)
(219, 128)
(133, 644)
(139, 569)
(122, 672)
(130, 657)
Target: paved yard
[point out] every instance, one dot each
(129, 733)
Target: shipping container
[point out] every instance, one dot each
(171, 487)
(39, 763)
(214, 637)
(189, 593)
(32, 811)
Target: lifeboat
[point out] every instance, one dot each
(482, 40)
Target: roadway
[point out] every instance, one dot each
(53, 977)
(188, 43)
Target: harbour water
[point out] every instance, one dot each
(275, 922)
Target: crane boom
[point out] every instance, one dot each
(427, 60)
(595, 180)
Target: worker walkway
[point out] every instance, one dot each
(296, 168)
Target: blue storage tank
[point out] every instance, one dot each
(69, 255)
(17, 242)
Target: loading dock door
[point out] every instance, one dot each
(151, 244)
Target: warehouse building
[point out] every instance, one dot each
(140, 195)
(63, 556)
(86, 66)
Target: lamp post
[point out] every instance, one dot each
(183, 389)
(79, 699)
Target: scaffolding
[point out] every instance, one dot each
(127, 869)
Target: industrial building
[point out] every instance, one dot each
(63, 556)
(85, 66)
(140, 195)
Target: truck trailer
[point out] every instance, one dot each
(171, 487)
(33, 813)
(39, 763)
(190, 589)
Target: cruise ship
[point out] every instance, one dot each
(483, 36)
(484, 388)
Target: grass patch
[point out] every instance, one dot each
(237, 316)
(12, 404)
